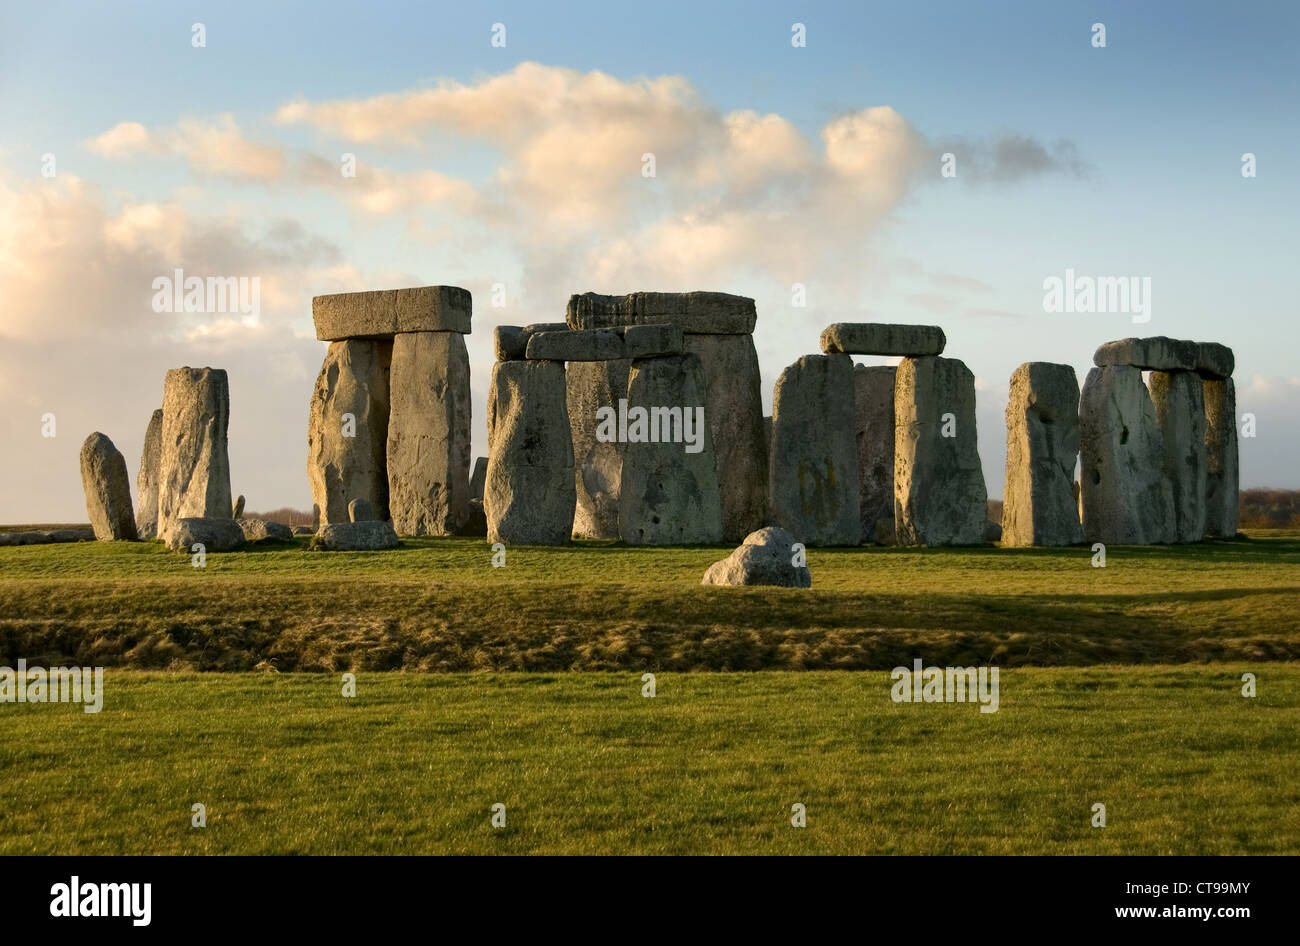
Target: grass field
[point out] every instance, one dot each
(712, 764)
(439, 605)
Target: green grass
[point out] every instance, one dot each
(439, 605)
(713, 764)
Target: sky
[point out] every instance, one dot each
(128, 151)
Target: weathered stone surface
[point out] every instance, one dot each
(766, 558)
(1180, 412)
(880, 338)
(1215, 361)
(814, 462)
(238, 511)
(146, 482)
(255, 530)
(735, 415)
(939, 494)
(386, 312)
(598, 466)
(221, 534)
(347, 430)
(360, 510)
(303, 530)
(478, 478)
(692, 312)
(368, 536)
(668, 495)
(511, 341)
(594, 345)
(992, 532)
(873, 399)
(46, 536)
(1221, 480)
(528, 498)
(1127, 500)
(194, 471)
(429, 434)
(108, 490)
(652, 341)
(1158, 353)
(1039, 505)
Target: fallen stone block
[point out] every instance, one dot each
(257, 530)
(370, 536)
(215, 535)
(46, 536)
(879, 338)
(386, 312)
(766, 558)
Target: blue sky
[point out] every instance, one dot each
(1155, 124)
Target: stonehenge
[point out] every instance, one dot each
(1159, 464)
(389, 419)
(194, 465)
(146, 482)
(873, 399)
(813, 487)
(1038, 505)
(639, 418)
(939, 492)
(108, 490)
(529, 493)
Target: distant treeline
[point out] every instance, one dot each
(286, 516)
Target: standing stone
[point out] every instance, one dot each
(1221, 480)
(814, 462)
(873, 398)
(194, 472)
(478, 478)
(429, 433)
(1039, 505)
(347, 432)
(669, 489)
(1180, 412)
(107, 486)
(735, 414)
(939, 494)
(528, 498)
(146, 483)
(1126, 498)
(238, 511)
(360, 510)
(598, 466)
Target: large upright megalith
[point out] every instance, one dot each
(1221, 478)
(1038, 506)
(146, 482)
(717, 327)
(669, 490)
(1180, 412)
(598, 464)
(429, 433)
(528, 497)
(939, 493)
(347, 430)
(108, 489)
(873, 398)
(194, 472)
(814, 460)
(1127, 500)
